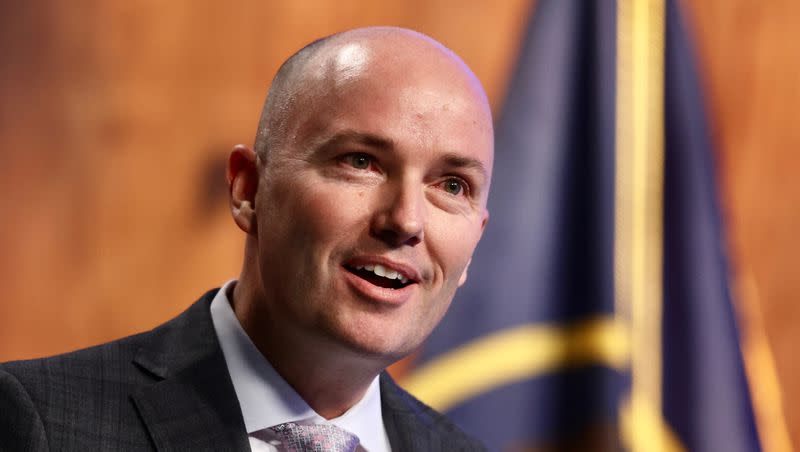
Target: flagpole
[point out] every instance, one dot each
(639, 217)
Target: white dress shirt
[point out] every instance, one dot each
(266, 399)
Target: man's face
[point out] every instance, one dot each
(380, 173)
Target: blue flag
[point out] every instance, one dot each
(581, 326)
(705, 390)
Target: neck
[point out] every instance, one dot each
(328, 376)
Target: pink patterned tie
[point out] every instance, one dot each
(315, 438)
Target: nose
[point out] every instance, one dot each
(401, 217)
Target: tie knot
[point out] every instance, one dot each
(315, 438)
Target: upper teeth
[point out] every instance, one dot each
(380, 270)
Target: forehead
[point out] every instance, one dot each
(422, 99)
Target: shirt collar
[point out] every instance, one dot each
(266, 399)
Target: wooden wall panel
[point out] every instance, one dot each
(116, 118)
(750, 54)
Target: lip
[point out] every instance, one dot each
(409, 271)
(377, 294)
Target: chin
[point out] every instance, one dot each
(374, 342)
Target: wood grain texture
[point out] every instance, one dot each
(116, 119)
(750, 56)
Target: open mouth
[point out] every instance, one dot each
(380, 276)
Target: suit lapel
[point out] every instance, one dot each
(407, 429)
(191, 405)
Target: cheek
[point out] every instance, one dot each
(324, 216)
(452, 242)
(331, 214)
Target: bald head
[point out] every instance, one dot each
(334, 62)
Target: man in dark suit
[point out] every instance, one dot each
(362, 201)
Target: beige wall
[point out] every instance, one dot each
(116, 118)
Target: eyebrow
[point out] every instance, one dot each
(467, 163)
(450, 159)
(351, 136)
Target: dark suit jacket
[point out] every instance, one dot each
(167, 389)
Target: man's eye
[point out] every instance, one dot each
(358, 161)
(454, 186)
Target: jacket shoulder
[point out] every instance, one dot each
(21, 426)
(81, 400)
(72, 401)
(109, 361)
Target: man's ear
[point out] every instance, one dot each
(242, 175)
